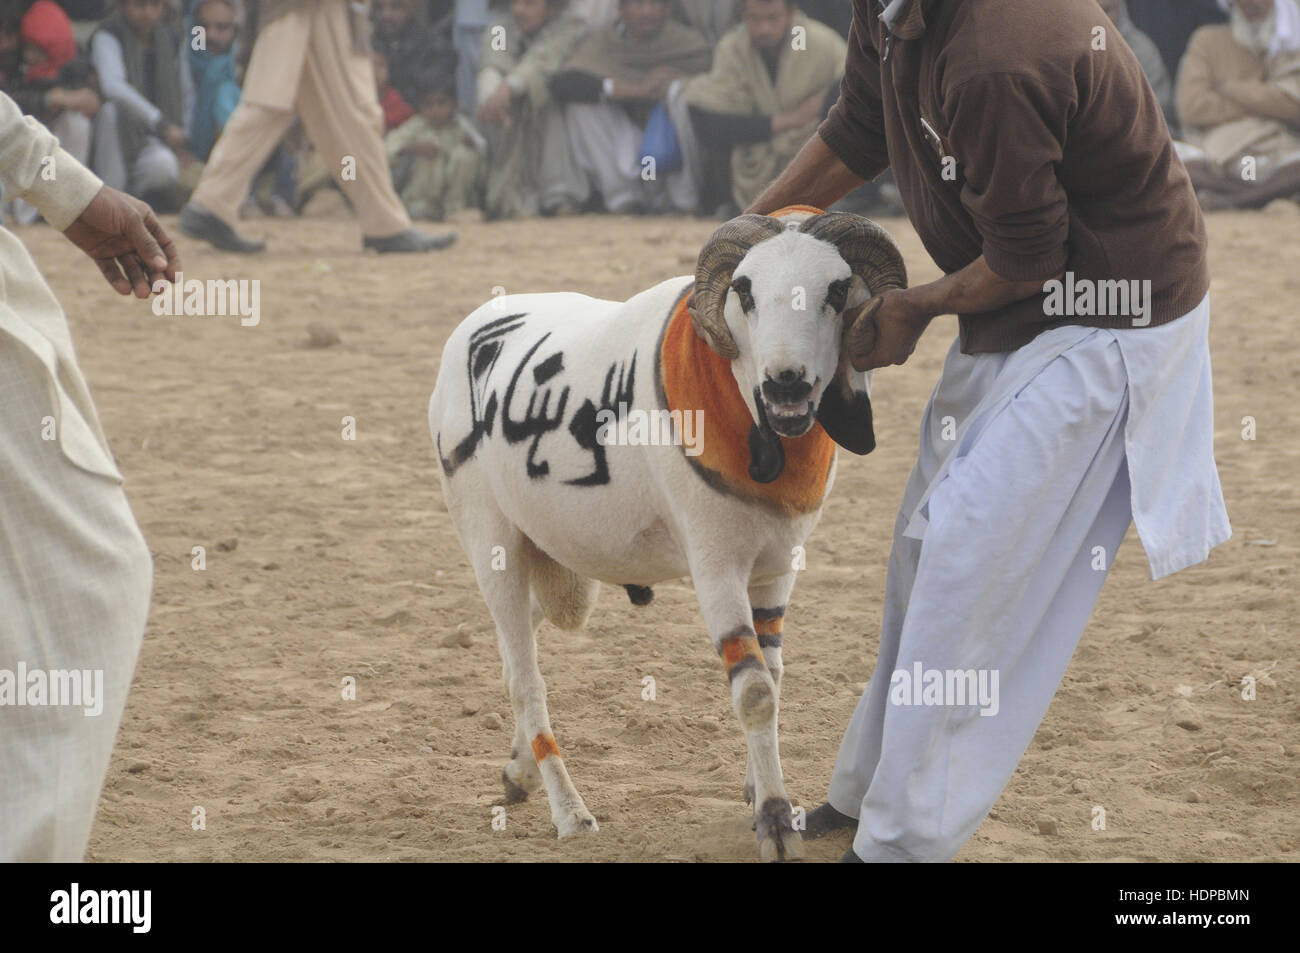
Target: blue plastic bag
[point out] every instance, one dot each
(659, 141)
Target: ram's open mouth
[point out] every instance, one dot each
(791, 420)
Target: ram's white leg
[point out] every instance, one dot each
(506, 592)
(725, 606)
(521, 775)
(768, 599)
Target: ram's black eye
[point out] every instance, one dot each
(837, 295)
(741, 287)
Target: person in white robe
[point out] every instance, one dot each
(75, 572)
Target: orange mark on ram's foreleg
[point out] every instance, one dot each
(739, 651)
(543, 745)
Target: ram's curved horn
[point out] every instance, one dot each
(718, 259)
(872, 256)
(868, 248)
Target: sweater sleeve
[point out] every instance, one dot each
(1011, 189)
(106, 55)
(61, 189)
(855, 128)
(1199, 103)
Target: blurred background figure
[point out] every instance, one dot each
(760, 101)
(611, 87)
(140, 139)
(530, 166)
(1239, 97)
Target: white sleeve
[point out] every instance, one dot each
(62, 188)
(106, 57)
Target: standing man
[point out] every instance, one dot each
(75, 573)
(311, 57)
(1036, 166)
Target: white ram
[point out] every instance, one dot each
(584, 441)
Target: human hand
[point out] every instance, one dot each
(123, 237)
(883, 331)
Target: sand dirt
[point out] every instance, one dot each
(327, 558)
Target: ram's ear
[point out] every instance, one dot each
(845, 409)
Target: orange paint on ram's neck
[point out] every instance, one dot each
(697, 378)
(796, 210)
(544, 745)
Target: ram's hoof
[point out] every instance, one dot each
(778, 841)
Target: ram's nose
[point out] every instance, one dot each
(789, 386)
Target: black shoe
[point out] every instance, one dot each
(850, 857)
(824, 820)
(410, 240)
(198, 222)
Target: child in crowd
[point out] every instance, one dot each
(436, 155)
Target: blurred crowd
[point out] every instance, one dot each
(550, 107)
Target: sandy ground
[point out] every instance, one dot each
(328, 558)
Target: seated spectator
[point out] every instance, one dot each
(56, 85)
(763, 98)
(1153, 65)
(1239, 98)
(1171, 23)
(412, 49)
(610, 86)
(140, 141)
(530, 168)
(435, 155)
(396, 109)
(212, 69)
(41, 71)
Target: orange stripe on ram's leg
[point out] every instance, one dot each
(543, 746)
(767, 623)
(739, 652)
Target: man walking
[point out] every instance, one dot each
(1036, 166)
(312, 57)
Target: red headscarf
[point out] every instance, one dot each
(46, 26)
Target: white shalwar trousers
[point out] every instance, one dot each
(1006, 532)
(75, 580)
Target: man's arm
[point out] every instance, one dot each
(887, 327)
(106, 56)
(816, 176)
(1016, 201)
(119, 233)
(1263, 98)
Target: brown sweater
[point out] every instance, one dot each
(1063, 158)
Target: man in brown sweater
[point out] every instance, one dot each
(1035, 165)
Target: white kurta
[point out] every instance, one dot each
(75, 573)
(1053, 449)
